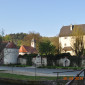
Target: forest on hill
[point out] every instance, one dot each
(25, 39)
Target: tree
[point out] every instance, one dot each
(46, 48)
(16, 38)
(27, 39)
(59, 48)
(55, 42)
(78, 44)
(2, 45)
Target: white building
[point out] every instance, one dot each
(37, 60)
(10, 54)
(66, 40)
(33, 43)
(64, 62)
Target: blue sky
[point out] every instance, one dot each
(43, 16)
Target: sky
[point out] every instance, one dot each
(41, 16)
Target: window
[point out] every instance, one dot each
(65, 44)
(65, 37)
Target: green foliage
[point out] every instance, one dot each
(58, 67)
(27, 39)
(7, 38)
(17, 38)
(30, 79)
(78, 44)
(51, 59)
(75, 61)
(28, 57)
(0, 39)
(46, 48)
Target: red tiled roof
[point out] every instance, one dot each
(11, 45)
(26, 49)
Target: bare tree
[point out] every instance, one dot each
(78, 44)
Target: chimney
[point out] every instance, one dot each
(71, 27)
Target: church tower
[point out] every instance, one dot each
(33, 43)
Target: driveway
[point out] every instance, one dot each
(32, 71)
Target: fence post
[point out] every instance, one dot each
(84, 73)
(84, 78)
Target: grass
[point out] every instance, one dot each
(23, 77)
(32, 78)
(56, 67)
(16, 65)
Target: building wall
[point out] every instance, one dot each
(10, 56)
(33, 44)
(22, 53)
(67, 41)
(37, 61)
(22, 61)
(64, 62)
(84, 41)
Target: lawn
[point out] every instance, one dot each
(23, 77)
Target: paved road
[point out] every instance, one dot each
(40, 71)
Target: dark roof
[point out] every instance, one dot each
(25, 49)
(65, 30)
(11, 45)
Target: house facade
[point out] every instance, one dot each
(66, 40)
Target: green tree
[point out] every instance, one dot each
(7, 38)
(78, 44)
(16, 38)
(27, 39)
(46, 48)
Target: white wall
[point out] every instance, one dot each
(64, 62)
(22, 53)
(10, 56)
(33, 44)
(22, 61)
(67, 41)
(37, 61)
(84, 41)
